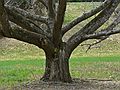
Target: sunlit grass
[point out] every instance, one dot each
(19, 71)
(103, 68)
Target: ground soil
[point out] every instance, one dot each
(77, 84)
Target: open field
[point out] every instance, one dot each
(17, 71)
(21, 62)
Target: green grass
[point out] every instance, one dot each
(16, 71)
(96, 68)
(19, 71)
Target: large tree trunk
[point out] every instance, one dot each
(57, 67)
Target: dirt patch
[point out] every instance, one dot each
(77, 84)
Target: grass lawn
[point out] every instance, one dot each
(96, 67)
(16, 71)
(13, 72)
(21, 62)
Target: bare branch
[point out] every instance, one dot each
(93, 25)
(109, 30)
(114, 23)
(98, 21)
(59, 21)
(102, 33)
(44, 2)
(103, 37)
(21, 34)
(25, 23)
(51, 11)
(30, 37)
(28, 15)
(4, 19)
(1, 33)
(90, 46)
(84, 16)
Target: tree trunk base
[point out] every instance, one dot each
(57, 70)
(69, 80)
(57, 67)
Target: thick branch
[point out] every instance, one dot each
(102, 33)
(28, 15)
(22, 34)
(26, 36)
(98, 21)
(93, 25)
(5, 26)
(25, 23)
(113, 24)
(59, 22)
(51, 11)
(1, 33)
(84, 16)
(32, 38)
(108, 30)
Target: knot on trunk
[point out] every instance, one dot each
(43, 41)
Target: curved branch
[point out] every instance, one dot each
(25, 23)
(102, 33)
(84, 16)
(28, 15)
(22, 34)
(44, 2)
(93, 25)
(30, 37)
(90, 46)
(106, 32)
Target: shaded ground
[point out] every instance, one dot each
(77, 84)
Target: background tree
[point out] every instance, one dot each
(50, 39)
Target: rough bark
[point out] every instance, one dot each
(57, 66)
(93, 25)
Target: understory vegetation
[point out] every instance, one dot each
(21, 62)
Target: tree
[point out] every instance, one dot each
(50, 39)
